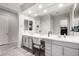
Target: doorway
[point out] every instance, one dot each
(3, 29)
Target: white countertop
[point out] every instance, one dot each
(72, 39)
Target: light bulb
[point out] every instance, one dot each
(60, 5)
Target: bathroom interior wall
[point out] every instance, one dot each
(58, 21)
(53, 23)
(36, 23)
(45, 24)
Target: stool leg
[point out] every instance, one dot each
(39, 52)
(33, 50)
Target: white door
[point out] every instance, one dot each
(3, 29)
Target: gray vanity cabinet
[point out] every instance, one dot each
(48, 47)
(30, 42)
(53, 47)
(57, 50)
(64, 48)
(70, 52)
(70, 49)
(24, 41)
(27, 42)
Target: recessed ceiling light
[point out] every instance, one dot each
(45, 11)
(29, 11)
(60, 5)
(40, 6)
(35, 14)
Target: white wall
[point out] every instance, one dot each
(45, 24)
(57, 23)
(36, 22)
(53, 23)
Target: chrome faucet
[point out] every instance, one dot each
(64, 35)
(49, 33)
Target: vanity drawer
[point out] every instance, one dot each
(70, 52)
(66, 44)
(48, 41)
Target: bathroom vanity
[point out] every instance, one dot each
(59, 48)
(64, 30)
(55, 46)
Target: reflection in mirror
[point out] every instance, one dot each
(76, 18)
(25, 24)
(30, 25)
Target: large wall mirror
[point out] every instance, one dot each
(28, 25)
(25, 24)
(76, 18)
(75, 23)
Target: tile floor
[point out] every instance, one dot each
(13, 50)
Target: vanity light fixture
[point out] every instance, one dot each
(40, 6)
(29, 11)
(45, 11)
(60, 5)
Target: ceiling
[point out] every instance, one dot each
(37, 9)
(15, 7)
(48, 8)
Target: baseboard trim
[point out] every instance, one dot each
(8, 43)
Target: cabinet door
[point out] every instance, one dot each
(30, 42)
(70, 52)
(48, 47)
(26, 41)
(57, 50)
